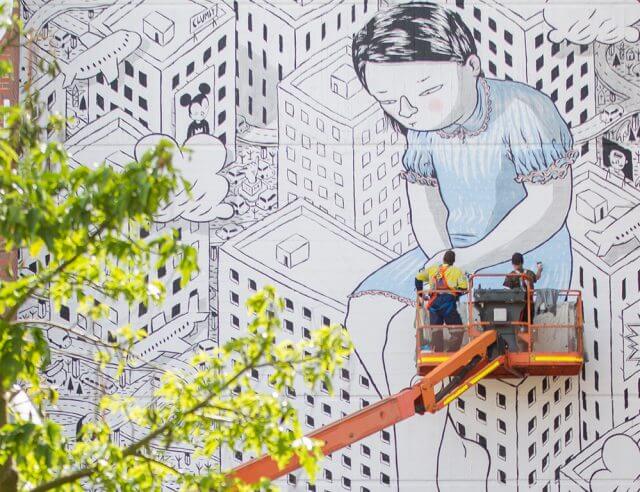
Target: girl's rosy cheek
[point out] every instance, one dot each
(435, 105)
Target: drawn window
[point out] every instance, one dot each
(584, 69)
(382, 196)
(142, 102)
(502, 476)
(222, 69)
(235, 299)
(531, 396)
(176, 285)
(570, 59)
(235, 321)
(501, 400)
(176, 81)
(175, 310)
(461, 430)
(567, 411)
(502, 452)
(222, 43)
(288, 326)
(206, 55)
(568, 436)
(508, 37)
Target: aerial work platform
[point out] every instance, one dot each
(498, 339)
(548, 344)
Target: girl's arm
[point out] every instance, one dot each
(428, 218)
(532, 222)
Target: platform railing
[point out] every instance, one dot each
(544, 334)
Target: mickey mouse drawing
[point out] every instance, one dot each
(198, 110)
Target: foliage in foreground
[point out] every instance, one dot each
(89, 222)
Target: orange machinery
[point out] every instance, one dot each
(447, 375)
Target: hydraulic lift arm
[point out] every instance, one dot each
(466, 367)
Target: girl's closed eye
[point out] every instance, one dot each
(431, 90)
(389, 101)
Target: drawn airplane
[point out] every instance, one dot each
(167, 339)
(621, 231)
(103, 55)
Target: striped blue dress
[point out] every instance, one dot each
(514, 136)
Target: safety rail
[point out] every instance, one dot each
(553, 335)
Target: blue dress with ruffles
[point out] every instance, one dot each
(514, 136)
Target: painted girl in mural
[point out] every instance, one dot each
(198, 110)
(487, 170)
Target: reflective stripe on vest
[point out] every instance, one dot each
(439, 280)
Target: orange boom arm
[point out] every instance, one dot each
(465, 368)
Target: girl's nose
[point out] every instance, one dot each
(407, 110)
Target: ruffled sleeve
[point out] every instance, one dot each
(418, 160)
(539, 141)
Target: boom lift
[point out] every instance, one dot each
(500, 343)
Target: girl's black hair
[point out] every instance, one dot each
(415, 31)
(187, 100)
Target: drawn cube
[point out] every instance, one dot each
(591, 206)
(344, 81)
(293, 251)
(158, 28)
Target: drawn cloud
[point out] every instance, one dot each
(608, 21)
(459, 460)
(620, 456)
(200, 166)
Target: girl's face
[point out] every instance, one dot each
(198, 111)
(424, 95)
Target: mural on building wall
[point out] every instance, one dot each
(336, 148)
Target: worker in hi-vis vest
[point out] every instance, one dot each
(445, 282)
